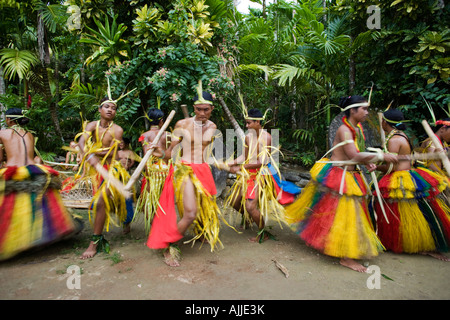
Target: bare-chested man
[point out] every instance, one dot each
(331, 213)
(31, 209)
(106, 137)
(416, 221)
(255, 181)
(193, 185)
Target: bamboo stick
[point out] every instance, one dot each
(443, 156)
(143, 162)
(414, 156)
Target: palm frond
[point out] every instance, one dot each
(53, 15)
(17, 62)
(286, 74)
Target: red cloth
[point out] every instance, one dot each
(251, 184)
(282, 196)
(203, 173)
(164, 230)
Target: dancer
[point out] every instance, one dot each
(192, 184)
(156, 170)
(255, 193)
(442, 132)
(331, 214)
(73, 155)
(417, 220)
(108, 205)
(32, 213)
(125, 155)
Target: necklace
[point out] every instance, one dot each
(106, 127)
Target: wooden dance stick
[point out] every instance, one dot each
(372, 173)
(440, 151)
(412, 157)
(382, 134)
(143, 162)
(185, 111)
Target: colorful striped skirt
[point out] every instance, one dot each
(32, 213)
(418, 218)
(331, 214)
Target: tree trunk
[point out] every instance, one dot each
(2, 92)
(233, 121)
(264, 8)
(293, 106)
(44, 56)
(351, 70)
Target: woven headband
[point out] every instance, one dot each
(245, 112)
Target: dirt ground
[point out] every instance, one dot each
(242, 270)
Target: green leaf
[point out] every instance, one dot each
(17, 62)
(386, 277)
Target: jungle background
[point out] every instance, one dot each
(296, 58)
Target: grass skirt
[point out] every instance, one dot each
(164, 230)
(207, 223)
(331, 214)
(419, 219)
(119, 210)
(261, 180)
(155, 175)
(31, 209)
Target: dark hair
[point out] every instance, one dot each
(155, 115)
(17, 112)
(437, 127)
(346, 101)
(255, 113)
(395, 115)
(206, 95)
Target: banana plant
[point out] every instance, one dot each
(108, 42)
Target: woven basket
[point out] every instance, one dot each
(77, 198)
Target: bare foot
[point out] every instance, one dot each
(126, 229)
(265, 236)
(436, 255)
(90, 251)
(352, 264)
(171, 258)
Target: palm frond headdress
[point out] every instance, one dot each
(110, 99)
